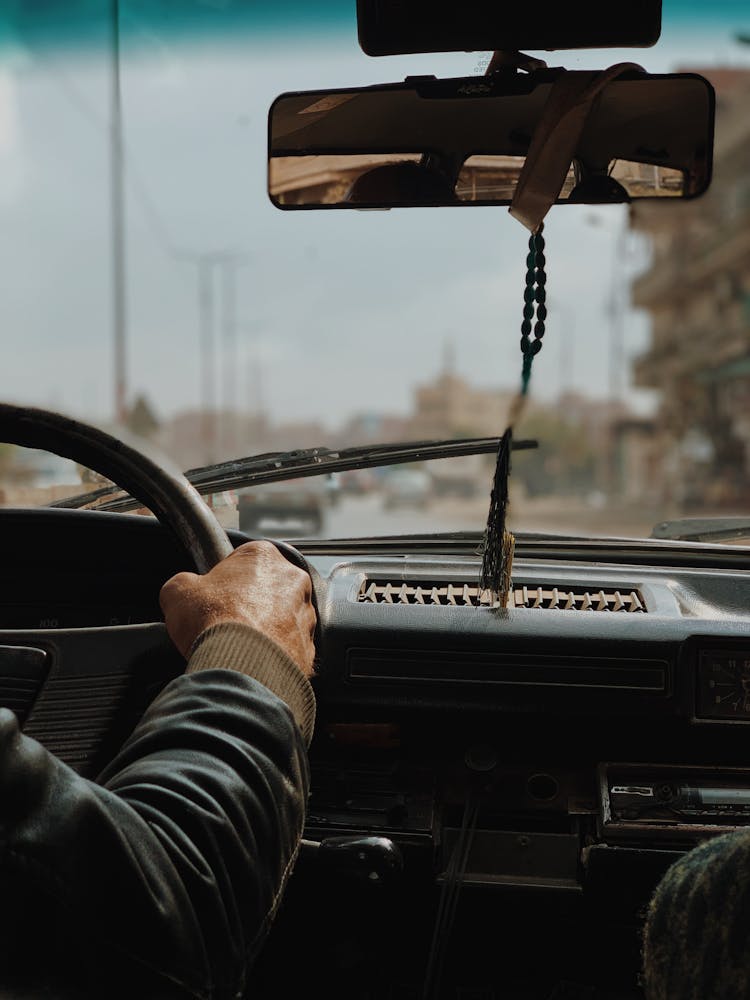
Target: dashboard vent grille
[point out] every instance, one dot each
(537, 596)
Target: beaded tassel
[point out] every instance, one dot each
(497, 556)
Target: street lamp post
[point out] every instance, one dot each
(205, 265)
(117, 215)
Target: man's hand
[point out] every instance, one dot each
(255, 585)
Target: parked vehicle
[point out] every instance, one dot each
(406, 488)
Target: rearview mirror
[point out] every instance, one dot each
(464, 142)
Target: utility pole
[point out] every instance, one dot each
(253, 387)
(618, 305)
(229, 263)
(230, 359)
(207, 263)
(117, 214)
(567, 328)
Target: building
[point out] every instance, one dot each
(373, 428)
(697, 291)
(195, 438)
(450, 407)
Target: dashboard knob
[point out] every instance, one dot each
(372, 859)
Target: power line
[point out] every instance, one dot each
(134, 178)
(227, 261)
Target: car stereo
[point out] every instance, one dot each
(671, 803)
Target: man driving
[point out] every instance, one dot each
(161, 879)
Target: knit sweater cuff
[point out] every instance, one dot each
(242, 648)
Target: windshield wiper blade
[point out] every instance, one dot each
(279, 465)
(703, 529)
(316, 461)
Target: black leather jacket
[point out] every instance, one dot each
(160, 880)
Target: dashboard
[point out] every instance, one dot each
(550, 760)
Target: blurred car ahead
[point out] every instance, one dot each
(406, 488)
(297, 504)
(224, 506)
(357, 482)
(462, 478)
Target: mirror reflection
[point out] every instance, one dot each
(398, 178)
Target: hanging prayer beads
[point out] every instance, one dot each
(535, 306)
(499, 543)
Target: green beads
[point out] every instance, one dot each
(535, 305)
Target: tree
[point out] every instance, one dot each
(6, 455)
(564, 462)
(142, 420)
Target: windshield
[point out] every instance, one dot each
(149, 282)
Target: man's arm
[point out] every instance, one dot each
(167, 872)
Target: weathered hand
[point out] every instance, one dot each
(255, 585)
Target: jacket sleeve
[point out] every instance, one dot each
(170, 867)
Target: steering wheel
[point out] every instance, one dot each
(79, 691)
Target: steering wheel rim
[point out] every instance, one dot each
(158, 486)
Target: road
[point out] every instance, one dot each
(366, 516)
(356, 516)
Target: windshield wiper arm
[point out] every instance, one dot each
(279, 465)
(703, 529)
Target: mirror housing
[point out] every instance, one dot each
(398, 27)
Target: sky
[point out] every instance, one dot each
(339, 312)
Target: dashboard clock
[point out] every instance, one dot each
(724, 684)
